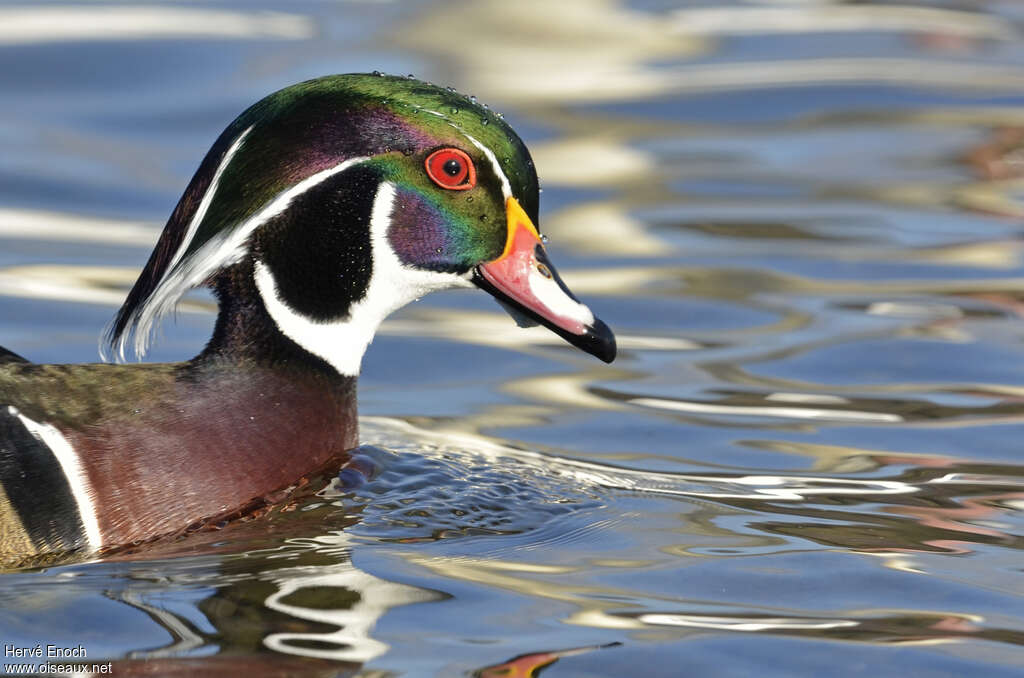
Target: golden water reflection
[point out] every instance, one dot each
(33, 25)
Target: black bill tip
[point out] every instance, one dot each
(598, 341)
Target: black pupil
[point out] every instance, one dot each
(452, 167)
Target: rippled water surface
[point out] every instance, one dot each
(803, 221)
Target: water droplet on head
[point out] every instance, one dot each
(377, 73)
(411, 76)
(483, 217)
(472, 98)
(454, 111)
(438, 250)
(469, 198)
(540, 190)
(544, 239)
(450, 89)
(484, 122)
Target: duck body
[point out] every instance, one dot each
(319, 211)
(186, 444)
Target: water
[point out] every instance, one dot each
(802, 220)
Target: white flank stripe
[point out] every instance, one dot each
(392, 285)
(73, 471)
(222, 250)
(506, 187)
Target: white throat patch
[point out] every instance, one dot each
(392, 285)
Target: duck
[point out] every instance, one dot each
(317, 212)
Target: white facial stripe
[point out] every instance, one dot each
(556, 300)
(392, 285)
(340, 344)
(81, 489)
(506, 187)
(204, 204)
(222, 250)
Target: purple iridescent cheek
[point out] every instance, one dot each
(425, 235)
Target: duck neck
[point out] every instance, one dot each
(245, 331)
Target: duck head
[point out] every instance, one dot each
(331, 203)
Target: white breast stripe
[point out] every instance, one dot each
(506, 187)
(73, 471)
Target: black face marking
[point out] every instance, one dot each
(37, 488)
(319, 248)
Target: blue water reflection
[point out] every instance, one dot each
(802, 220)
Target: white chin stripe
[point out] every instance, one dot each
(341, 344)
(70, 464)
(392, 285)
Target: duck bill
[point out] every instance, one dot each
(524, 281)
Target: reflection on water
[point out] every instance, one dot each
(802, 220)
(530, 665)
(28, 25)
(518, 527)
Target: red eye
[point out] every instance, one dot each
(451, 168)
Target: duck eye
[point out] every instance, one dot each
(451, 168)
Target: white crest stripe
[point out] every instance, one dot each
(204, 204)
(70, 464)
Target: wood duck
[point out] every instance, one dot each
(319, 210)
